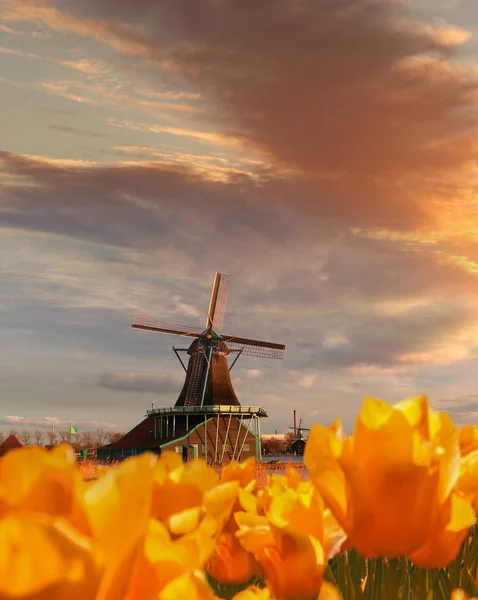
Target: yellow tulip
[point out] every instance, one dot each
(243, 472)
(453, 524)
(230, 563)
(293, 563)
(254, 593)
(468, 439)
(275, 485)
(44, 558)
(119, 508)
(160, 561)
(388, 485)
(43, 481)
(329, 592)
(468, 480)
(180, 486)
(460, 595)
(191, 586)
(146, 555)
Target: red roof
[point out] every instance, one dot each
(11, 442)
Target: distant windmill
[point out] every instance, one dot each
(298, 445)
(207, 391)
(298, 430)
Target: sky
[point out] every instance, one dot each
(320, 152)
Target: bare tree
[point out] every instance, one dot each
(64, 435)
(114, 436)
(52, 437)
(13, 432)
(38, 437)
(25, 436)
(289, 438)
(99, 437)
(87, 441)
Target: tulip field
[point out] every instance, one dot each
(387, 512)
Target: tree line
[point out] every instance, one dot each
(88, 440)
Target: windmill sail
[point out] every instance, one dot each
(217, 304)
(257, 348)
(196, 376)
(141, 322)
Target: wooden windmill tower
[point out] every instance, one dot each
(207, 419)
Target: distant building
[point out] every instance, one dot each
(9, 444)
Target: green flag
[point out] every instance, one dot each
(73, 429)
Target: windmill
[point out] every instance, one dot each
(298, 445)
(207, 374)
(207, 419)
(298, 430)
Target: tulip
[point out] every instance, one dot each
(163, 563)
(461, 595)
(468, 439)
(44, 558)
(293, 563)
(254, 593)
(468, 480)
(230, 563)
(45, 482)
(178, 486)
(390, 484)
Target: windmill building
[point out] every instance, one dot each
(207, 420)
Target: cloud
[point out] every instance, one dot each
(17, 422)
(340, 291)
(463, 409)
(76, 131)
(253, 374)
(378, 119)
(306, 382)
(141, 383)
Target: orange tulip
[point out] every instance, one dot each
(254, 593)
(293, 563)
(145, 556)
(468, 438)
(43, 481)
(390, 484)
(162, 563)
(230, 563)
(460, 595)
(468, 480)
(43, 558)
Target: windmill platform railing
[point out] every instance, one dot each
(214, 409)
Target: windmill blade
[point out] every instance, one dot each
(193, 393)
(250, 347)
(217, 304)
(147, 324)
